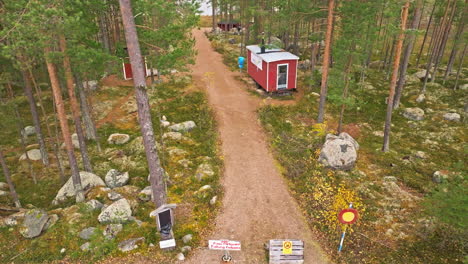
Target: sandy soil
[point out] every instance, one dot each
(257, 205)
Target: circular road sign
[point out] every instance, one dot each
(348, 216)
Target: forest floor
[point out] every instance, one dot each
(256, 205)
(407, 215)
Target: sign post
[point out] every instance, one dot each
(226, 246)
(164, 222)
(347, 217)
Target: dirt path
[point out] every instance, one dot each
(257, 205)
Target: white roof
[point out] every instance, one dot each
(272, 54)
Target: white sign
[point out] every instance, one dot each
(167, 243)
(256, 60)
(224, 245)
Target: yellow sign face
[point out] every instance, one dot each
(348, 216)
(287, 247)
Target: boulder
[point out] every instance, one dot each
(130, 244)
(3, 186)
(172, 135)
(180, 257)
(75, 142)
(414, 113)
(114, 196)
(94, 205)
(339, 152)
(213, 200)
(3, 193)
(203, 171)
(440, 176)
(173, 151)
(112, 230)
(232, 41)
(183, 127)
(145, 194)
(28, 131)
(115, 178)
(276, 42)
(463, 86)
(421, 75)
(304, 65)
(118, 139)
(118, 212)
(85, 247)
(33, 154)
(87, 233)
(186, 249)
(420, 98)
(34, 222)
(452, 117)
(92, 85)
(136, 146)
(88, 180)
(187, 238)
(53, 218)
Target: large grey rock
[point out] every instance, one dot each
(118, 212)
(187, 238)
(34, 222)
(440, 176)
(85, 247)
(88, 180)
(130, 244)
(33, 154)
(183, 127)
(28, 131)
(276, 42)
(115, 178)
(146, 194)
(3, 186)
(114, 196)
(3, 193)
(118, 139)
(205, 170)
(452, 117)
(339, 152)
(112, 230)
(92, 85)
(53, 218)
(414, 113)
(75, 142)
(172, 135)
(87, 233)
(421, 75)
(93, 205)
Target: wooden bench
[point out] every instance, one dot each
(277, 256)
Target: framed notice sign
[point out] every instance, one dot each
(224, 245)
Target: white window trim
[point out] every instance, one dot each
(287, 75)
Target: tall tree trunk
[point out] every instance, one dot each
(345, 89)
(90, 127)
(7, 174)
(75, 108)
(35, 116)
(396, 64)
(144, 114)
(103, 29)
(213, 15)
(444, 39)
(454, 52)
(407, 55)
(460, 66)
(56, 140)
(425, 34)
(326, 62)
(65, 129)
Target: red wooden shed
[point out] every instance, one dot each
(275, 70)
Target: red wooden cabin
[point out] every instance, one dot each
(228, 25)
(275, 70)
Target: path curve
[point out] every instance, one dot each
(256, 205)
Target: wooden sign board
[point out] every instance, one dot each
(224, 245)
(164, 215)
(286, 251)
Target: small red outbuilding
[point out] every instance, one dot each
(275, 70)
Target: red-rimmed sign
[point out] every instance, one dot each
(348, 216)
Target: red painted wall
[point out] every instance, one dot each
(260, 76)
(292, 74)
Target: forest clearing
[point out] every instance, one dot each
(319, 131)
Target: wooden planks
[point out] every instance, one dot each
(277, 255)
